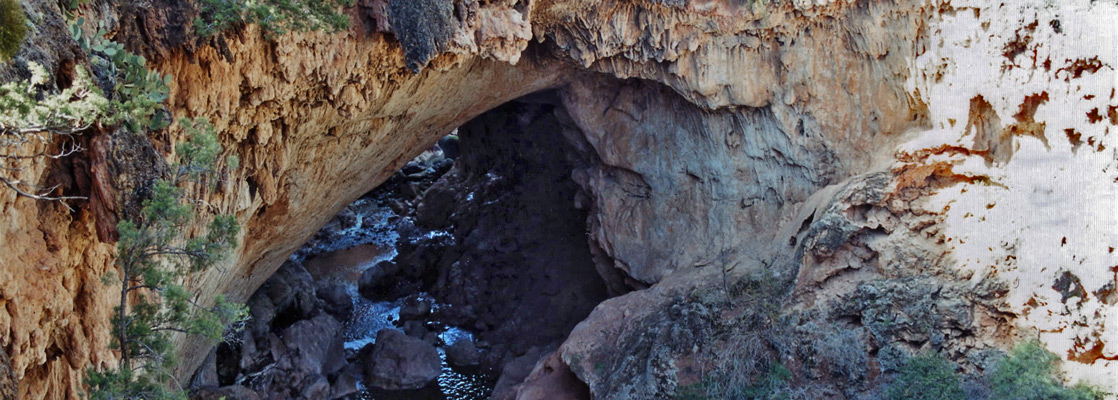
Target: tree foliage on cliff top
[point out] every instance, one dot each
(275, 16)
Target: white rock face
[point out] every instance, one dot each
(1045, 219)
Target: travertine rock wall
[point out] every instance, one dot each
(317, 120)
(721, 131)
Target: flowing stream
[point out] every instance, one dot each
(371, 240)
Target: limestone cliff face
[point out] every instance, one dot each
(721, 135)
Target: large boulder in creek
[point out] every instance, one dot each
(315, 346)
(462, 353)
(400, 362)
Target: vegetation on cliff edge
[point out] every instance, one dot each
(13, 28)
(275, 16)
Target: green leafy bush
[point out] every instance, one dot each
(139, 93)
(1030, 373)
(275, 16)
(13, 28)
(926, 377)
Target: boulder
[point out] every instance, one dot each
(336, 300)
(434, 210)
(412, 167)
(291, 290)
(262, 312)
(462, 353)
(255, 351)
(415, 307)
(514, 373)
(315, 346)
(400, 362)
(378, 282)
(346, 382)
(449, 145)
(231, 392)
(415, 329)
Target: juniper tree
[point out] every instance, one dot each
(152, 258)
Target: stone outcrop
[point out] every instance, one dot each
(715, 136)
(401, 362)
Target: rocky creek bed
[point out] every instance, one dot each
(449, 281)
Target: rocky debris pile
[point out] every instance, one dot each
(293, 347)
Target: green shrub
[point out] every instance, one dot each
(139, 93)
(13, 28)
(926, 377)
(275, 16)
(771, 385)
(1030, 373)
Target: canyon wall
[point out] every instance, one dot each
(837, 144)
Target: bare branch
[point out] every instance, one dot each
(61, 199)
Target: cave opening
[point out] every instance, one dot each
(477, 248)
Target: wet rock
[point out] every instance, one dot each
(462, 353)
(449, 145)
(415, 329)
(336, 300)
(225, 392)
(347, 218)
(415, 307)
(376, 282)
(411, 168)
(400, 362)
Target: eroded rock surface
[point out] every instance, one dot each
(711, 136)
